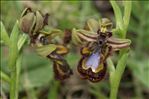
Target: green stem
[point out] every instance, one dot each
(54, 92)
(116, 76)
(122, 25)
(127, 12)
(15, 60)
(111, 66)
(18, 68)
(15, 75)
(118, 14)
(13, 83)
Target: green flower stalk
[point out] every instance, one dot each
(121, 29)
(15, 43)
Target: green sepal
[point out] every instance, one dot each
(75, 39)
(39, 22)
(92, 25)
(26, 22)
(46, 49)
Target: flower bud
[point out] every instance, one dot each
(38, 22)
(31, 22)
(26, 22)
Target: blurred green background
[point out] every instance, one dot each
(37, 81)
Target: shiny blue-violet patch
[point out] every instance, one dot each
(93, 61)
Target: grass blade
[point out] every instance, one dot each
(21, 41)
(118, 14)
(4, 35)
(13, 54)
(13, 49)
(127, 12)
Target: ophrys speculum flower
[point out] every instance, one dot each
(99, 44)
(32, 23)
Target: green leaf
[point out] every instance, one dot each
(21, 41)
(4, 35)
(118, 14)
(13, 55)
(127, 12)
(13, 49)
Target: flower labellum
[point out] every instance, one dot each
(92, 66)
